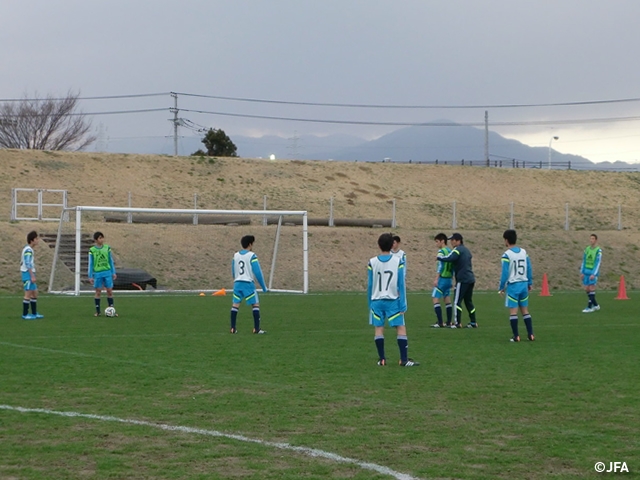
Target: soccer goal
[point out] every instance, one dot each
(179, 250)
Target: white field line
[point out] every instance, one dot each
(311, 452)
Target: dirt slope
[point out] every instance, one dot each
(424, 200)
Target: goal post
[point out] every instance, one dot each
(180, 250)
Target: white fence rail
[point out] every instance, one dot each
(39, 204)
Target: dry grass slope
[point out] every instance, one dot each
(424, 197)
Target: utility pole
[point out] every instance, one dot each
(175, 123)
(486, 138)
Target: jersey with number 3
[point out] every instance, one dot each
(242, 268)
(516, 267)
(385, 278)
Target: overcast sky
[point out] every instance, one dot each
(370, 52)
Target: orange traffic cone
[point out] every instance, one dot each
(219, 293)
(545, 287)
(622, 290)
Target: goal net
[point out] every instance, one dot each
(179, 249)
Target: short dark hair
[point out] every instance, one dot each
(31, 236)
(441, 236)
(247, 240)
(396, 238)
(385, 242)
(97, 235)
(510, 236)
(594, 235)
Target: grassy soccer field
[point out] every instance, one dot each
(478, 407)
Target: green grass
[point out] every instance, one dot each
(479, 407)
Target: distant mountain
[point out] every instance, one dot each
(450, 144)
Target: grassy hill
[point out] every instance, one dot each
(424, 199)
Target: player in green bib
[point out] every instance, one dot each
(102, 270)
(589, 271)
(442, 283)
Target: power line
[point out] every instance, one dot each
(341, 105)
(79, 114)
(424, 124)
(104, 97)
(443, 107)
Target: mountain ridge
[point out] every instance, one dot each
(449, 143)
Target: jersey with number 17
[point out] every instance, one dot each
(386, 278)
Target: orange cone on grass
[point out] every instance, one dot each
(219, 293)
(545, 287)
(622, 290)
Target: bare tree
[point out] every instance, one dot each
(44, 124)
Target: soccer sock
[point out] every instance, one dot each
(590, 304)
(514, 324)
(34, 307)
(234, 317)
(25, 308)
(380, 346)
(97, 302)
(592, 299)
(403, 345)
(527, 322)
(438, 310)
(256, 319)
(110, 301)
(449, 313)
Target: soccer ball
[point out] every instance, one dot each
(110, 312)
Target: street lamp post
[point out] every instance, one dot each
(550, 142)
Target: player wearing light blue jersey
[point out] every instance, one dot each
(442, 283)
(28, 274)
(387, 297)
(245, 269)
(515, 283)
(589, 272)
(101, 271)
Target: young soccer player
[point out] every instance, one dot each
(460, 257)
(28, 272)
(589, 271)
(102, 270)
(387, 298)
(442, 283)
(516, 281)
(398, 252)
(245, 268)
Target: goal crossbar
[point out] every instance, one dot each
(89, 208)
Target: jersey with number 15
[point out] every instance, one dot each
(516, 267)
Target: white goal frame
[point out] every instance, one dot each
(195, 212)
